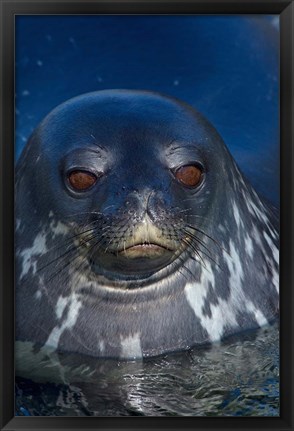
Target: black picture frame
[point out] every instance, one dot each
(10, 8)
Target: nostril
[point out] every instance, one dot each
(156, 207)
(141, 196)
(149, 196)
(145, 202)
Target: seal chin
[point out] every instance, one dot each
(138, 261)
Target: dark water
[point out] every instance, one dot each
(239, 377)
(225, 66)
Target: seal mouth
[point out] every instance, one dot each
(137, 259)
(150, 250)
(141, 252)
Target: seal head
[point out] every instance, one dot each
(136, 232)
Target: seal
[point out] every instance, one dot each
(136, 232)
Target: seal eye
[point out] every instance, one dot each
(189, 175)
(81, 180)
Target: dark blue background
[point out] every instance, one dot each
(225, 66)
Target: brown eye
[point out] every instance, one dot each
(189, 175)
(81, 180)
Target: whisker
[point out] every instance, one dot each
(85, 212)
(67, 242)
(74, 247)
(209, 256)
(212, 239)
(186, 268)
(64, 265)
(56, 258)
(194, 248)
(61, 259)
(198, 240)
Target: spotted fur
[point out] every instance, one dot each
(225, 279)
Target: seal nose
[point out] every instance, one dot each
(146, 199)
(156, 206)
(151, 203)
(141, 198)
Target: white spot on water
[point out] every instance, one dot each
(73, 42)
(25, 93)
(276, 22)
(39, 63)
(131, 346)
(176, 82)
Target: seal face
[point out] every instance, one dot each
(136, 233)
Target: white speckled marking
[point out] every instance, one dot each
(259, 316)
(235, 267)
(256, 212)
(221, 228)
(38, 248)
(273, 233)
(68, 323)
(275, 280)
(272, 246)
(38, 294)
(131, 346)
(257, 237)
(249, 246)
(222, 313)
(60, 306)
(101, 345)
(236, 214)
(58, 228)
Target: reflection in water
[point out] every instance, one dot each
(239, 377)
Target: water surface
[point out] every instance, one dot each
(239, 377)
